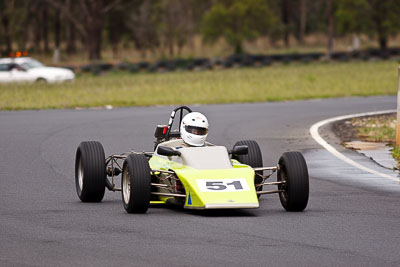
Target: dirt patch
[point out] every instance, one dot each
(345, 130)
(360, 145)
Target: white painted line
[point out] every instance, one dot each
(314, 133)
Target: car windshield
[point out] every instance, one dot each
(32, 64)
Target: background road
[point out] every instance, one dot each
(42, 223)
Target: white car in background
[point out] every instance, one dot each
(26, 69)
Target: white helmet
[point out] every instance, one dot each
(194, 129)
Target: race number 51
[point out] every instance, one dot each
(223, 185)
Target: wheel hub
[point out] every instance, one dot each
(80, 175)
(126, 186)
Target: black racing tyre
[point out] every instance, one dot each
(41, 80)
(253, 159)
(293, 170)
(136, 184)
(90, 171)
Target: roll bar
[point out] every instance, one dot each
(172, 118)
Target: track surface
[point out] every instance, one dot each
(42, 223)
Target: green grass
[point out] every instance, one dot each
(273, 83)
(396, 154)
(376, 129)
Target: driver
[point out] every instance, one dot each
(194, 129)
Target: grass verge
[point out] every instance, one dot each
(274, 83)
(378, 129)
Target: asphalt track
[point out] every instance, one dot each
(352, 218)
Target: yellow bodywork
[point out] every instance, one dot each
(213, 189)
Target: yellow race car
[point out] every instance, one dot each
(206, 177)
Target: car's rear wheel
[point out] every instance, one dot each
(136, 184)
(90, 171)
(41, 80)
(293, 171)
(253, 158)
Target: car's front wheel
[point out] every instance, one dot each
(295, 189)
(136, 184)
(90, 171)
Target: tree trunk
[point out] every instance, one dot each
(382, 33)
(45, 29)
(57, 30)
(115, 49)
(383, 40)
(70, 32)
(303, 20)
(330, 27)
(143, 53)
(93, 41)
(285, 20)
(70, 36)
(94, 27)
(37, 31)
(238, 48)
(5, 17)
(171, 48)
(180, 47)
(6, 26)
(115, 27)
(191, 29)
(90, 27)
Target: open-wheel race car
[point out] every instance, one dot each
(195, 177)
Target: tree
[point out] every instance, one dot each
(13, 21)
(57, 39)
(285, 21)
(331, 26)
(70, 30)
(293, 19)
(116, 26)
(142, 23)
(167, 25)
(88, 22)
(373, 17)
(45, 28)
(303, 20)
(6, 10)
(176, 23)
(237, 21)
